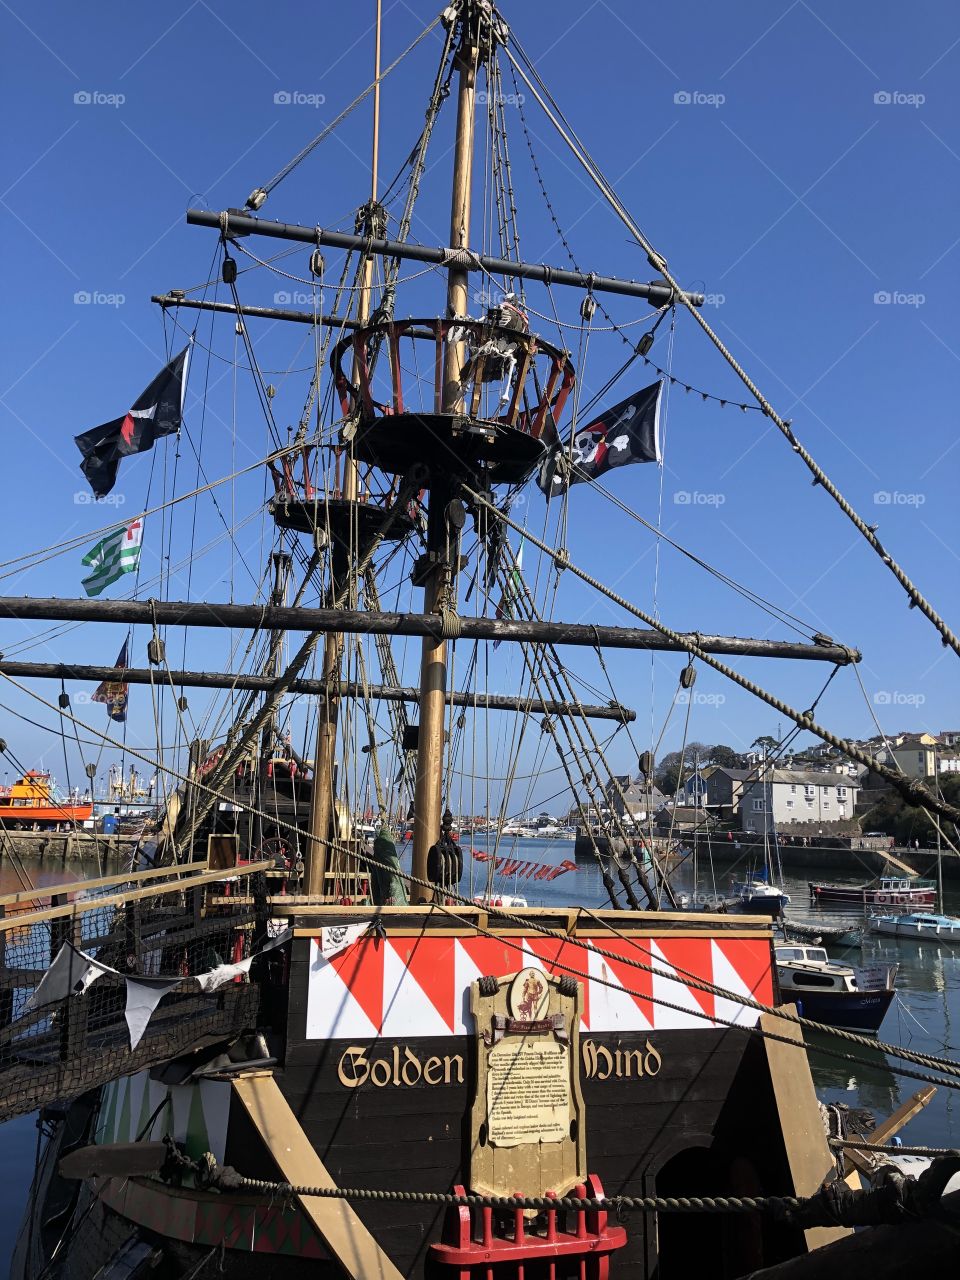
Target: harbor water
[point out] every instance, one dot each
(925, 1015)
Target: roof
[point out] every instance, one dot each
(737, 775)
(810, 777)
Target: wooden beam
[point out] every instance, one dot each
(342, 1230)
(187, 613)
(868, 1161)
(808, 1153)
(187, 869)
(334, 688)
(27, 918)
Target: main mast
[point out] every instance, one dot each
(442, 558)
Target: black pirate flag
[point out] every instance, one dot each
(629, 432)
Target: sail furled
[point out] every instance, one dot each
(114, 555)
(629, 432)
(156, 412)
(114, 693)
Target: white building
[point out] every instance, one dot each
(785, 797)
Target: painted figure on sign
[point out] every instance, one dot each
(532, 993)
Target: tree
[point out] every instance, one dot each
(725, 757)
(669, 771)
(905, 822)
(766, 743)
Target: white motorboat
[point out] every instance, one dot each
(841, 995)
(918, 924)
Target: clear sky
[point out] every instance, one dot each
(800, 162)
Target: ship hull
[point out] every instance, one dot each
(377, 1074)
(25, 816)
(854, 894)
(851, 1010)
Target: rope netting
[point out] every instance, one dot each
(90, 992)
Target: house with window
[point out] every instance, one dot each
(915, 756)
(791, 797)
(633, 799)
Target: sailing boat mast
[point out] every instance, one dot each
(322, 798)
(440, 585)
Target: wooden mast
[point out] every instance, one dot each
(321, 796)
(440, 586)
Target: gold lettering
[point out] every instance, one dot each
(351, 1064)
(600, 1064)
(630, 1057)
(380, 1072)
(402, 1067)
(597, 1061)
(411, 1060)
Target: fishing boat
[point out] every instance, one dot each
(273, 1047)
(35, 802)
(840, 995)
(885, 891)
(918, 924)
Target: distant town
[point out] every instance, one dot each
(812, 793)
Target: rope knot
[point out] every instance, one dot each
(460, 258)
(451, 624)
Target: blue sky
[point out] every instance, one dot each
(797, 161)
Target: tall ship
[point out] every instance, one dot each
(285, 1038)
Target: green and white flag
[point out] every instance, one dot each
(511, 590)
(113, 556)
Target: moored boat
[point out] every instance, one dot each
(886, 891)
(918, 924)
(35, 801)
(840, 995)
(758, 898)
(836, 935)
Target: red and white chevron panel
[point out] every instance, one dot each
(404, 987)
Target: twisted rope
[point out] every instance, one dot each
(912, 789)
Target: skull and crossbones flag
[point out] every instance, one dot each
(157, 412)
(629, 432)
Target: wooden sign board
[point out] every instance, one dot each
(527, 1130)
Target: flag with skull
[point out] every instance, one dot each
(629, 432)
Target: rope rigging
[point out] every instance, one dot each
(658, 262)
(948, 1068)
(257, 197)
(911, 788)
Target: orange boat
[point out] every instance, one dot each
(36, 800)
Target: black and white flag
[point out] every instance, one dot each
(629, 432)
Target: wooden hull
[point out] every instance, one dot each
(377, 1072)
